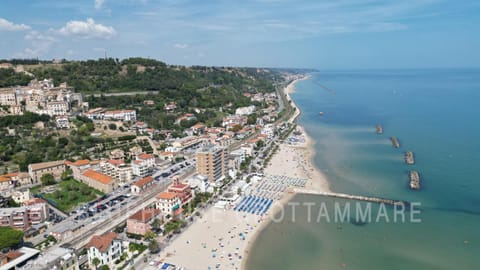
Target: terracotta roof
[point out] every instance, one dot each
(34, 201)
(145, 215)
(100, 177)
(102, 242)
(142, 182)
(198, 125)
(7, 177)
(166, 195)
(116, 162)
(178, 186)
(145, 156)
(81, 162)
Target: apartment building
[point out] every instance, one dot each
(211, 163)
(143, 164)
(120, 172)
(34, 212)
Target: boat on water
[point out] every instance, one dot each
(321, 113)
(379, 129)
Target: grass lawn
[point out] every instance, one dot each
(71, 193)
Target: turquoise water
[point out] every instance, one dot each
(433, 113)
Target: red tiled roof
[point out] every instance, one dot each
(81, 162)
(145, 215)
(116, 162)
(145, 156)
(34, 201)
(166, 195)
(142, 182)
(100, 177)
(102, 242)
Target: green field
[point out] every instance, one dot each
(71, 193)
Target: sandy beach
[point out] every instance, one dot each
(223, 238)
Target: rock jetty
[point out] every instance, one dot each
(409, 159)
(414, 180)
(395, 142)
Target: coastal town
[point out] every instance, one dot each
(138, 196)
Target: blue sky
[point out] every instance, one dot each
(340, 34)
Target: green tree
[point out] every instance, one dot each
(10, 237)
(149, 236)
(47, 179)
(156, 223)
(153, 246)
(96, 262)
(104, 267)
(112, 126)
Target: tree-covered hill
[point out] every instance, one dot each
(140, 74)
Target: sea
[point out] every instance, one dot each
(433, 112)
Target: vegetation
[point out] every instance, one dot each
(71, 193)
(132, 247)
(200, 198)
(8, 77)
(47, 179)
(10, 237)
(174, 226)
(154, 246)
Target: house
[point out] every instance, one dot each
(78, 167)
(55, 258)
(183, 191)
(65, 229)
(169, 204)
(149, 102)
(170, 106)
(185, 117)
(37, 170)
(139, 223)
(95, 114)
(57, 108)
(117, 154)
(106, 248)
(122, 115)
(142, 185)
(15, 259)
(22, 195)
(245, 110)
(98, 181)
(62, 122)
(167, 155)
(198, 128)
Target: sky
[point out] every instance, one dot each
(342, 34)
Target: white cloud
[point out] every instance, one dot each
(99, 4)
(40, 44)
(10, 26)
(180, 46)
(87, 29)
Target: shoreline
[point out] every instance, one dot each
(320, 184)
(215, 238)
